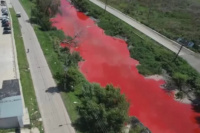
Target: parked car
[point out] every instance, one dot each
(7, 28)
(5, 10)
(4, 21)
(6, 24)
(5, 13)
(6, 31)
(3, 7)
(4, 17)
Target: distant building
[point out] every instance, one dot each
(11, 107)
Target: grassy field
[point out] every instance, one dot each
(173, 18)
(25, 75)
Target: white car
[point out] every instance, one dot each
(4, 17)
(3, 9)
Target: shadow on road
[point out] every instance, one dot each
(28, 21)
(52, 90)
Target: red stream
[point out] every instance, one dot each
(107, 61)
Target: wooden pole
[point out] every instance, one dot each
(178, 53)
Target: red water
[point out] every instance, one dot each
(107, 61)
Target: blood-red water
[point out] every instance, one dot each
(107, 61)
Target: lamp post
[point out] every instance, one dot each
(65, 69)
(178, 53)
(105, 5)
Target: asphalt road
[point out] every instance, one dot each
(54, 115)
(192, 58)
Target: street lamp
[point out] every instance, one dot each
(65, 69)
(105, 5)
(178, 53)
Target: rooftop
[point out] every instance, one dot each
(10, 99)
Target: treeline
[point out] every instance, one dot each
(152, 57)
(42, 11)
(100, 109)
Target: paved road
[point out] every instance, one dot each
(50, 104)
(192, 58)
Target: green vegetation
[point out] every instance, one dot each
(25, 76)
(103, 109)
(136, 126)
(153, 58)
(42, 11)
(6, 130)
(180, 79)
(137, 129)
(173, 18)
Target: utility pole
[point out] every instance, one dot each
(30, 19)
(178, 53)
(105, 5)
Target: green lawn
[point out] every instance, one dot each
(25, 75)
(173, 18)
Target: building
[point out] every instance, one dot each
(11, 106)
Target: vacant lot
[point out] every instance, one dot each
(173, 18)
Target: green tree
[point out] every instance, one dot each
(197, 85)
(42, 11)
(104, 109)
(74, 79)
(180, 79)
(82, 5)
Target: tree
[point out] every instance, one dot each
(82, 5)
(104, 109)
(48, 7)
(74, 79)
(42, 11)
(197, 85)
(180, 79)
